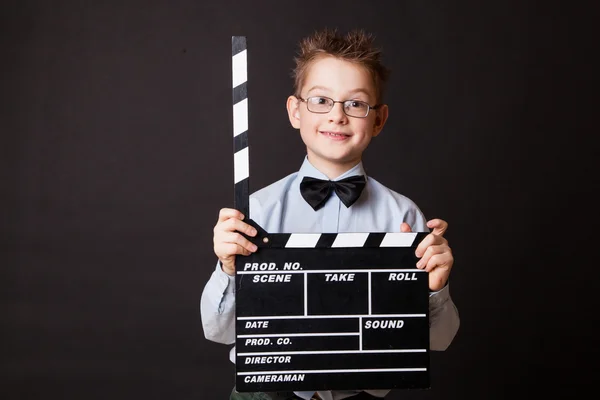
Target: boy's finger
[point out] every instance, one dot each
(226, 213)
(241, 241)
(234, 224)
(440, 263)
(429, 240)
(243, 251)
(404, 227)
(429, 252)
(432, 263)
(439, 226)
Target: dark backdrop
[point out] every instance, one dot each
(116, 157)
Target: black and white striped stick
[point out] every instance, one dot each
(241, 166)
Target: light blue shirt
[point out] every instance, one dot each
(280, 208)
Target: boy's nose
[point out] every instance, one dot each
(337, 113)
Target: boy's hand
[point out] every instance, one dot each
(227, 238)
(434, 253)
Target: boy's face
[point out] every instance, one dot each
(335, 141)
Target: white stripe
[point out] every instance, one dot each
(284, 353)
(299, 334)
(331, 371)
(239, 68)
(349, 316)
(350, 239)
(360, 338)
(240, 165)
(240, 117)
(298, 240)
(370, 303)
(398, 239)
(305, 294)
(332, 271)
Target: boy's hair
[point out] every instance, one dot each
(356, 46)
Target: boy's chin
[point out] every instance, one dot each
(335, 160)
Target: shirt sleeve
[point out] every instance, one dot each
(443, 319)
(217, 307)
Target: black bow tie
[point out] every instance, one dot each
(317, 191)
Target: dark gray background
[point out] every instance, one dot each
(115, 158)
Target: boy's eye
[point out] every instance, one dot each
(355, 104)
(319, 100)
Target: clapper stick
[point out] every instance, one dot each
(241, 167)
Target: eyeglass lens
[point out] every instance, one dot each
(353, 108)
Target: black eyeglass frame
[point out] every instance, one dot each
(370, 107)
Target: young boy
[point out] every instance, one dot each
(337, 107)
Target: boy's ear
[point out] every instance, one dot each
(293, 110)
(380, 119)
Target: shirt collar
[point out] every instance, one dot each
(307, 169)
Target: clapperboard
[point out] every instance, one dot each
(324, 311)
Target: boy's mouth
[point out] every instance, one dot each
(335, 135)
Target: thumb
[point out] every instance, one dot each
(404, 227)
(439, 226)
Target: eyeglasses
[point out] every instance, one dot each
(352, 108)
